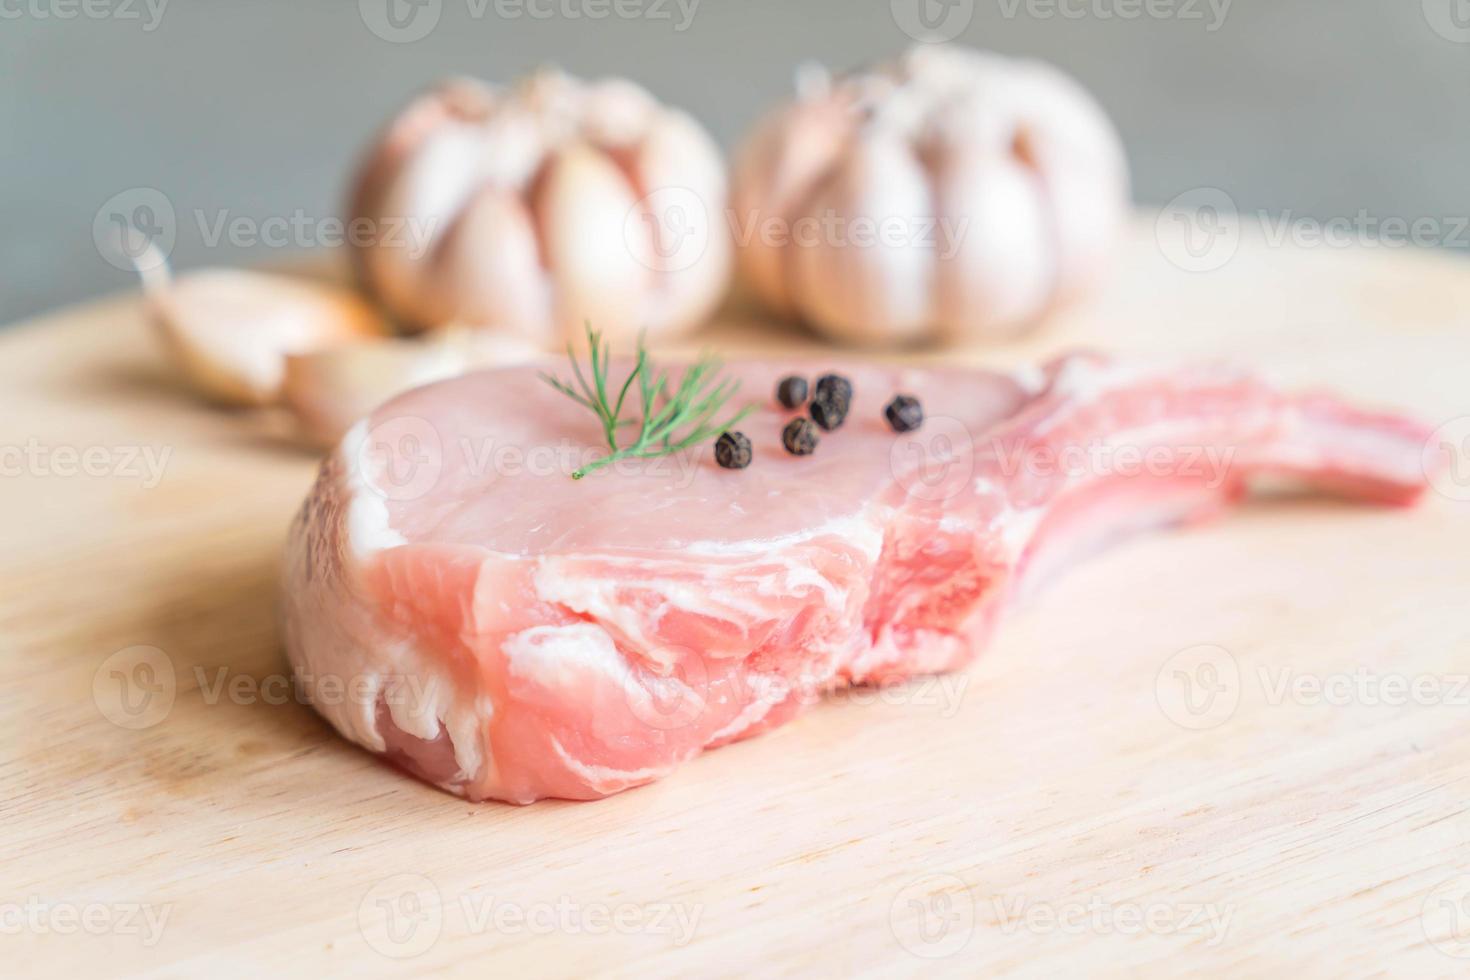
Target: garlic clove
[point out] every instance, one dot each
(490, 264)
(787, 154)
(463, 99)
(329, 390)
(1086, 225)
(997, 262)
(415, 211)
(677, 167)
(595, 243)
(862, 259)
(617, 112)
(230, 330)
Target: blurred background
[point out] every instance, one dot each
(1306, 108)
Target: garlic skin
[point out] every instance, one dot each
(950, 195)
(536, 208)
(229, 330)
(328, 390)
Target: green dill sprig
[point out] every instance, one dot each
(667, 423)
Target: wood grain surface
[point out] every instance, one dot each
(1070, 806)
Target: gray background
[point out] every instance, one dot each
(1320, 107)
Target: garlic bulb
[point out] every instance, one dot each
(951, 194)
(328, 390)
(540, 207)
(230, 330)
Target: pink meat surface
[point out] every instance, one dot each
(454, 600)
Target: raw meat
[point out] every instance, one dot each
(454, 600)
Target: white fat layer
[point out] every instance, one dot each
(767, 697)
(604, 779)
(367, 509)
(1030, 378)
(775, 572)
(553, 656)
(337, 641)
(859, 530)
(420, 696)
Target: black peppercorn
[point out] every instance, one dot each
(791, 392)
(799, 437)
(904, 413)
(732, 451)
(833, 388)
(829, 413)
(831, 399)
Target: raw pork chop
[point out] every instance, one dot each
(454, 600)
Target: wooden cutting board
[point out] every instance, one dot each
(1070, 804)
